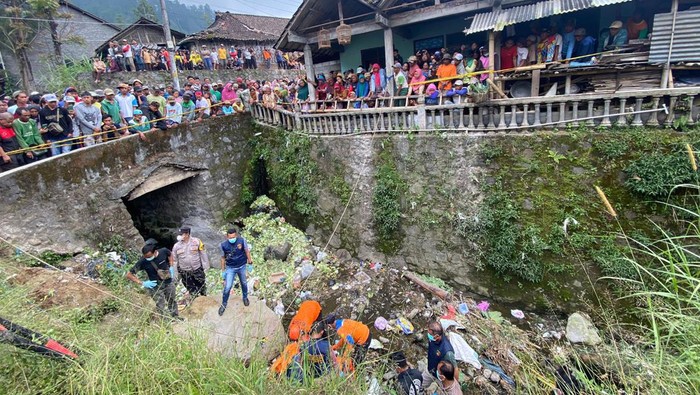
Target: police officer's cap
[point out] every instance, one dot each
(184, 230)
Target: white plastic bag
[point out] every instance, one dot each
(463, 351)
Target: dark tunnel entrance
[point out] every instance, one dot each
(160, 213)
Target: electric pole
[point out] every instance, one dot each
(170, 46)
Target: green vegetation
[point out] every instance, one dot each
(289, 168)
(656, 175)
(542, 181)
(386, 201)
(123, 349)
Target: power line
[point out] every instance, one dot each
(67, 21)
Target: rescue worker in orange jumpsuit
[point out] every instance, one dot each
(352, 334)
(300, 327)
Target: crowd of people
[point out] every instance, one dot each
(133, 56)
(35, 126)
(449, 75)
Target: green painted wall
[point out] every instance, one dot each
(404, 38)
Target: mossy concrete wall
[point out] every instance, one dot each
(74, 201)
(487, 213)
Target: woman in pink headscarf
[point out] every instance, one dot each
(229, 92)
(432, 95)
(417, 79)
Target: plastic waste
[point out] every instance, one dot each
(321, 256)
(306, 270)
(517, 314)
(375, 345)
(249, 268)
(448, 323)
(463, 351)
(279, 308)
(305, 295)
(451, 313)
(405, 325)
(374, 387)
(495, 368)
(381, 323)
(483, 306)
(463, 308)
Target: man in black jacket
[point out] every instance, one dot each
(51, 115)
(155, 117)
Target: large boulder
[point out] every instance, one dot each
(580, 329)
(280, 252)
(241, 332)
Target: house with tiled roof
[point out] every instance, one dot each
(238, 30)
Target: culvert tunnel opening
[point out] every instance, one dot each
(159, 214)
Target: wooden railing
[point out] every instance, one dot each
(637, 108)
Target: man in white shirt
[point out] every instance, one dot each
(173, 112)
(126, 102)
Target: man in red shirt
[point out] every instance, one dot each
(509, 55)
(8, 143)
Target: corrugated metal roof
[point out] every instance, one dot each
(686, 40)
(497, 20)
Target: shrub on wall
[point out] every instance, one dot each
(657, 174)
(386, 202)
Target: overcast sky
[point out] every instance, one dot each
(282, 8)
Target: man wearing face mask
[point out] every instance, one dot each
(235, 254)
(191, 262)
(439, 350)
(158, 265)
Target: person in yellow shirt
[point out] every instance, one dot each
(196, 59)
(221, 54)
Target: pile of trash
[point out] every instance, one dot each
(283, 256)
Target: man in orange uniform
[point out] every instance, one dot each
(300, 327)
(354, 334)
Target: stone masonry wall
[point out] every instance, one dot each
(73, 201)
(442, 176)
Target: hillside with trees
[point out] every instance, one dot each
(185, 18)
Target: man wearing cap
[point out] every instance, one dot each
(400, 84)
(111, 107)
(614, 38)
(173, 112)
(136, 48)
(222, 54)
(188, 108)
(53, 114)
(409, 381)
(446, 71)
(128, 55)
(235, 256)
(191, 262)
(158, 265)
(89, 120)
(126, 104)
(584, 45)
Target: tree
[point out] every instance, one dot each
(145, 10)
(48, 9)
(17, 32)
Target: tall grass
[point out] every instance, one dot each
(127, 352)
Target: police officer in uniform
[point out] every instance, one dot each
(235, 254)
(157, 263)
(191, 262)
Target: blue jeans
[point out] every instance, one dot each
(208, 64)
(231, 272)
(55, 150)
